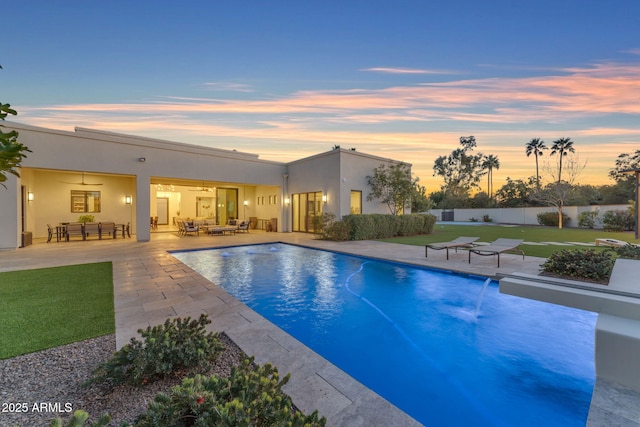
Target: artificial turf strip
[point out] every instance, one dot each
(49, 307)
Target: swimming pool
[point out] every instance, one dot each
(448, 349)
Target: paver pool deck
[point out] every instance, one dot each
(151, 285)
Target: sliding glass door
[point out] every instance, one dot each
(304, 207)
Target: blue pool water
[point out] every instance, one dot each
(448, 349)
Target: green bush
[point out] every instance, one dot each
(79, 419)
(250, 396)
(550, 219)
(179, 343)
(627, 251)
(375, 226)
(338, 231)
(581, 264)
(618, 220)
(379, 226)
(587, 219)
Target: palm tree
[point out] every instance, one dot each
(489, 163)
(535, 147)
(562, 146)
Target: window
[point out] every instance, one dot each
(356, 202)
(85, 201)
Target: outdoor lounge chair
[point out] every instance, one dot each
(190, 227)
(498, 247)
(460, 242)
(244, 226)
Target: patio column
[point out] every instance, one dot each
(143, 208)
(10, 213)
(286, 222)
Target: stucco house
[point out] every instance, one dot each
(129, 179)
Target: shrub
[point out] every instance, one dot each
(79, 418)
(375, 226)
(587, 219)
(330, 228)
(486, 218)
(627, 251)
(618, 220)
(550, 219)
(179, 343)
(379, 226)
(581, 264)
(250, 396)
(338, 231)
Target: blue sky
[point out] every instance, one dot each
(287, 79)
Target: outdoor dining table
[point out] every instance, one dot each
(61, 230)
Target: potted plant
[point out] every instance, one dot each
(86, 218)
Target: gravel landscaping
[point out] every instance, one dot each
(38, 387)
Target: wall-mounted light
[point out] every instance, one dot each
(287, 201)
(30, 196)
(127, 200)
(324, 198)
(246, 203)
(142, 159)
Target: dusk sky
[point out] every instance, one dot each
(288, 79)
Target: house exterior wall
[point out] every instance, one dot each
(354, 169)
(336, 173)
(318, 173)
(132, 166)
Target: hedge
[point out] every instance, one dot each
(378, 226)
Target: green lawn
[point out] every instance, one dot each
(488, 233)
(48, 307)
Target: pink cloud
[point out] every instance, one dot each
(393, 70)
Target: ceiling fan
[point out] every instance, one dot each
(81, 182)
(203, 188)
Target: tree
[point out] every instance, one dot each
(419, 200)
(560, 192)
(562, 147)
(556, 194)
(516, 193)
(11, 151)
(393, 185)
(627, 181)
(489, 163)
(535, 147)
(461, 170)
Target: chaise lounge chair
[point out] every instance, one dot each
(498, 247)
(460, 242)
